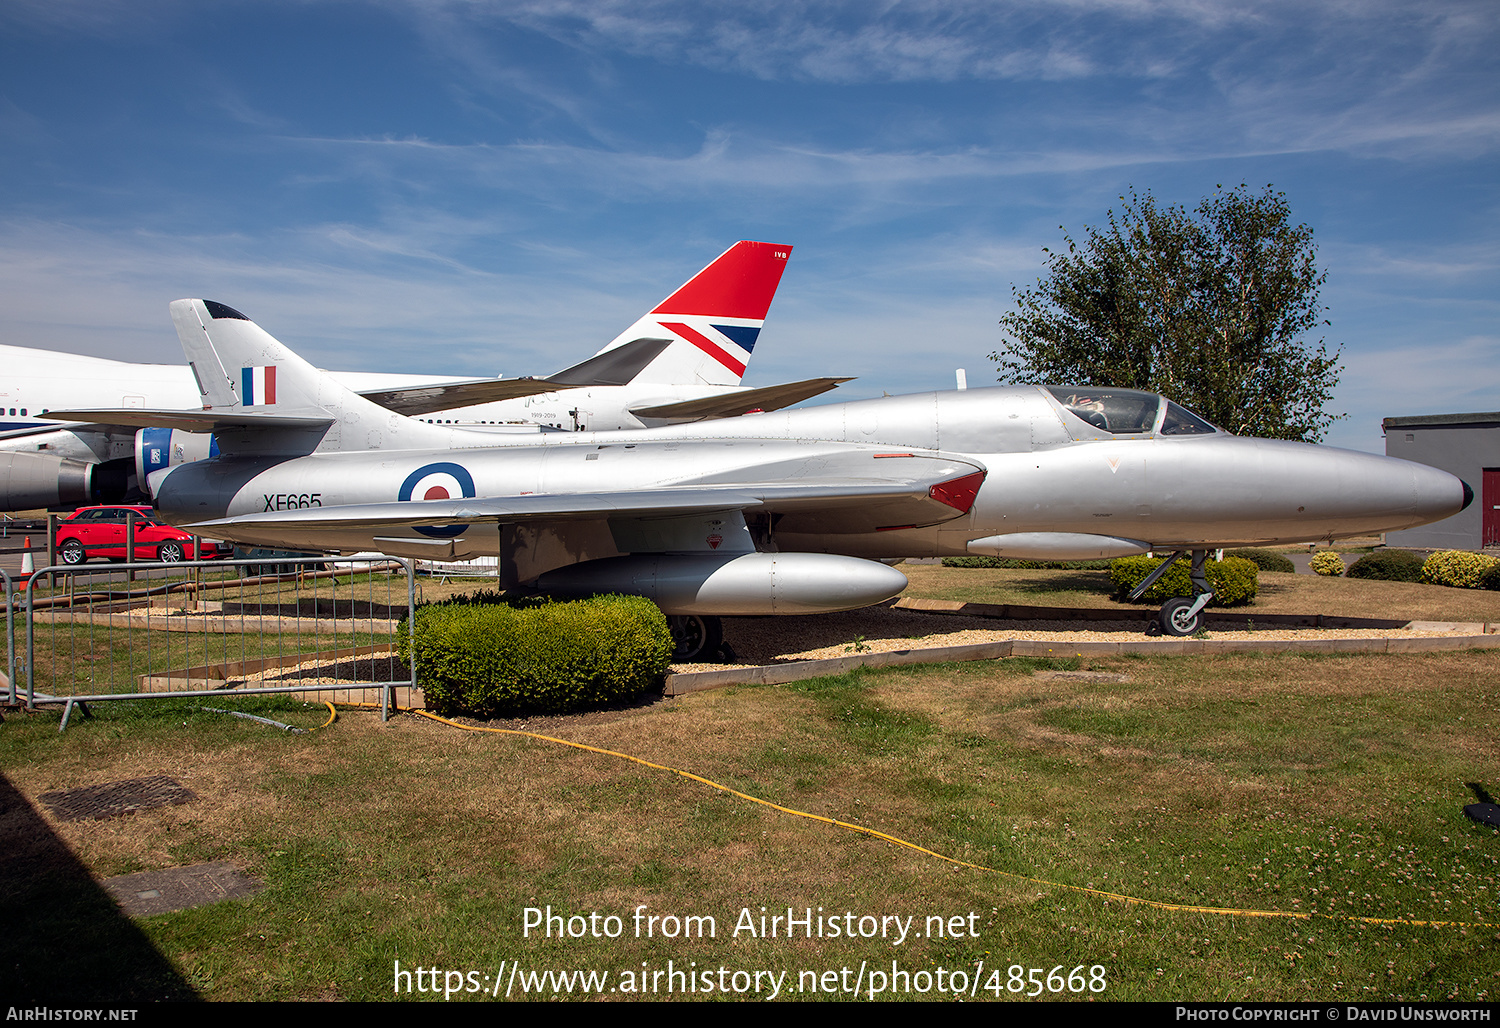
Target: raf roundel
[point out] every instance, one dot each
(441, 481)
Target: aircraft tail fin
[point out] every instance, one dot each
(240, 366)
(257, 389)
(713, 319)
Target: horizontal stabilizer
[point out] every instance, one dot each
(742, 401)
(615, 367)
(189, 420)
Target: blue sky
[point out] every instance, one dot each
(483, 186)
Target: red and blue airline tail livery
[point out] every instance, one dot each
(714, 319)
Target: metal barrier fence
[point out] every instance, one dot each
(150, 630)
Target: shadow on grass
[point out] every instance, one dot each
(65, 940)
(1060, 581)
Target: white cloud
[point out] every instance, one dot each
(105, 293)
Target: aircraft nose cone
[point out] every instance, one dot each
(1341, 493)
(1468, 496)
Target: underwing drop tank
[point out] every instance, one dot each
(749, 583)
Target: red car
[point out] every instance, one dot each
(100, 532)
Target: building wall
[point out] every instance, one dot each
(1462, 449)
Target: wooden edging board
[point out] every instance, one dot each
(773, 674)
(232, 671)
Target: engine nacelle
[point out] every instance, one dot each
(158, 448)
(32, 480)
(749, 583)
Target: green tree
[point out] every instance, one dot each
(1212, 307)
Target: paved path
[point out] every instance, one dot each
(1301, 561)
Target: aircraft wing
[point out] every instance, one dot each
(732, 405)
(31, 430)
(413, 401)
(189, 420)
(613, 367)
(835, 506)
(424, 399)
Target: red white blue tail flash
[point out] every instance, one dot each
(258, 386)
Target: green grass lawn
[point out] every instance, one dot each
(1329, 786)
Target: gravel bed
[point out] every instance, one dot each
(773, 640)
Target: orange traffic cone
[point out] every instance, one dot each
(27, 564)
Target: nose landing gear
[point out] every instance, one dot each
(1181, 615)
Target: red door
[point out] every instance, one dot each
(1489, 533)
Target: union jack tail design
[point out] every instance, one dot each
(714, 319)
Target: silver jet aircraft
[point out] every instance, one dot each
(791, 512)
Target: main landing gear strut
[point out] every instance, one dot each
(1181, 615)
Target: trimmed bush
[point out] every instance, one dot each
(1234, 580)
(492, 658)
(1457, 568)
(1012, 563)
(1326, 562)
(1491, 578)
(1266, 560)
(1387, 566)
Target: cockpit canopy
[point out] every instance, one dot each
(1129, 411)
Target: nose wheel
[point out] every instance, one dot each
(1181, 615)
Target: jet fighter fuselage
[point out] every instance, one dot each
(1054, 484)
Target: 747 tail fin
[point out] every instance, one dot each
(713, 320)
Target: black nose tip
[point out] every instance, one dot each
(1468, 496)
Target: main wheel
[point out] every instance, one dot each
(1177, 616)
(72, 552)
(169, 552)
(696, 636)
